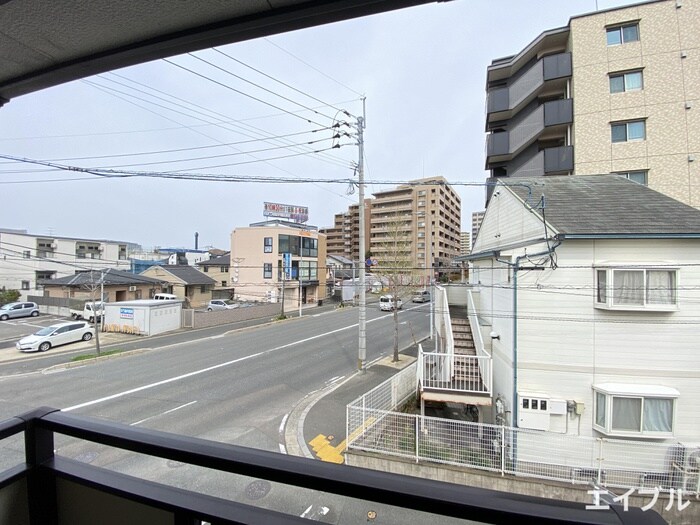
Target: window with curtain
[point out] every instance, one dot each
(634, 289)
(631, 414)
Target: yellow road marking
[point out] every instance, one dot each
(321, 444)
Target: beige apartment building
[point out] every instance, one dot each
(279, 261)
(614, 91)
(416, 226)
(344, 237)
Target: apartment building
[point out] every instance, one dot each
(614, 91)
(27, 258)
(416, 225)
(279, 261)
(465, 243)
(344, 237)
(477, 219)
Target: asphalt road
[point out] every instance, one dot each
(232, 387)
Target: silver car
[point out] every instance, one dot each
(221, 304)
(12, 310)
(55, 335)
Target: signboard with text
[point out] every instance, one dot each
(286, 211)
(126, 313)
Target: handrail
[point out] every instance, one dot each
(404, 491)
(486, 375)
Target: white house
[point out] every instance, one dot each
(26, 258)
(589, 288)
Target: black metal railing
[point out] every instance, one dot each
(50, 482)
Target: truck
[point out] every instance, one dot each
(87, 312)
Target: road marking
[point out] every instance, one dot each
(210, 368)
(162, 414)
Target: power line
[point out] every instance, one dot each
(283, 83)
(312, 67)
(242, 93)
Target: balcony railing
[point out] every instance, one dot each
(526, 86)
(456, 373)
(526, 128)
(48, 489)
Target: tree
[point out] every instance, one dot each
(93, 285)
(394, 256)
(9, 296)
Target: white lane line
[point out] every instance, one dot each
(210, 368)
(217, 336)
(162, 414)
(284, 422)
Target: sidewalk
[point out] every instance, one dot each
(316, 428)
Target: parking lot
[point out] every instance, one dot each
(14, 329)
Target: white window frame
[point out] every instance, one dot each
(626, 124)
(628, 175)
(625, 76)
(644, 393)
(604, 297)
(620, 29)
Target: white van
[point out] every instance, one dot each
(165, 297)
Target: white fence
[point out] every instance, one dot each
(470, 373)
(485, 362)
(373, 426)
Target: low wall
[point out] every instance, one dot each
(512, 485)
(219, 317)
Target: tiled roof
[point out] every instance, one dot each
(188, 274)
(605, 205)
(111, 277)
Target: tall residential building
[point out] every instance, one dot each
(465, 243)
(344, 237)
(26, 258)
(477, 219)
(425, 215)
(614, 91)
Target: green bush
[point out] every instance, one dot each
(9, 296)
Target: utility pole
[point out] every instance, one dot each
(362, 343)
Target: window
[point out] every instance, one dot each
(267, 245)
(288, 244)
(634, 409)
(628, 131)
(25, 285)
(223, 283)
(622, 34)
(267, 270)
(27, 254)
(224, 269)
(203, 288)
(637, 289)
(206, 269)
(309, 247)
(639, 176)
(621, 82)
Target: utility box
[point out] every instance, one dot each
(533, 411)
(143, 316)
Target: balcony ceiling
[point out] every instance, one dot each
(43, 44)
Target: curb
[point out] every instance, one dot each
(294, 428)
(92, 360)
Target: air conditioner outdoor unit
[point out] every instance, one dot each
(691, 466)
(132, 288)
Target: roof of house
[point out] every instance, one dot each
(108, 276)
(224, 260)
(605, 205)
(187, 274)
(340, 258)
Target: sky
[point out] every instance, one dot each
(421, 70)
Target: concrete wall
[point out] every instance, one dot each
(513, 485)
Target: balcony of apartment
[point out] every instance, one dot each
(46, 488)
(547, 76)
(542, 122)
(461, 368)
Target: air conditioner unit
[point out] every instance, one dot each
(689, 456)
(54, 246)
(132, 288)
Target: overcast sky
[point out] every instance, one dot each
(421, 69)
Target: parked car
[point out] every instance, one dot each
(55, 335)
(12, 310)
(87, 313)
(422, 296)
(165, 297)
(221, 304)
(386, 303)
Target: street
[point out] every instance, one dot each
(233, 387)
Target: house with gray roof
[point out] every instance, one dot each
(219, 269)
(117, 285)
(586, 291)
(186, 282)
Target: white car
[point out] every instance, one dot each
(55, 335)
(386, 303)
(221, 304)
